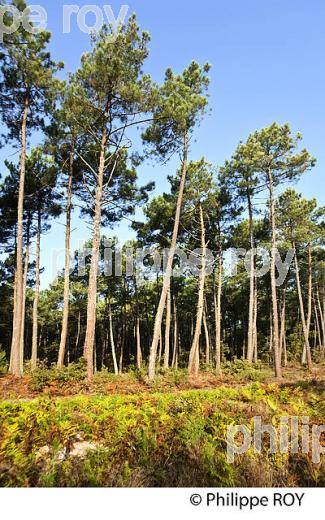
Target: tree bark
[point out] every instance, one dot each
(250, 336)
(111, 334)
(138, 337)
(22, 336)
(92, 287)
(322, 317)
(169, 267)
(167, 331)
(66, 292)
(255, 357)
(275, 315)
(78, 330)
(217, 306)
(194, 360)
(36, 293)
(207, 337)
(283, 328)
(18, 299)
(317, 327)
(302, 313)
(175, 342)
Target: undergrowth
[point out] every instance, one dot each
(152, 439)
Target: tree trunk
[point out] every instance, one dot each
(275, 315)
(78, 330)
(309, 311)
(167, 331)
(255, 357)
(322, 318)
(194, 360)
(22, 336)
(122, 350)
(217, 304)
(175, 342)
(92, 287)
(36, 294)
(302, 313)
(207, 338)
(18, 299)
(283, 327)
(317, 327)
(160, 348)
(111, 334)
(139, 351)
(169, 267)
(250, 336)
(66, 292)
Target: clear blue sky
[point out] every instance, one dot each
(268, 65)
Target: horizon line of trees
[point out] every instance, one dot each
(88, 160)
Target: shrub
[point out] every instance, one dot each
(3, 362)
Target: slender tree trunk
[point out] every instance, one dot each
(18, 301)
(167, 330)
(66, 292)
(169, 267)
(160, 348)
(302, 313)
(250, 336)
(275, 315)
(92, 287)
(255, 357)
(78, 330)
(112, 340)
(22, 336)
(36, 293)
(139, 351)
(317, 327)
(217, 304)
(122, 350)
(194, 360)
(283, 326)
(322, 318)
(175, 342)
(207, 338)
(310, 297)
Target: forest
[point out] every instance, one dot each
(143, 352)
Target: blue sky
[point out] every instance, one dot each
(267, 61)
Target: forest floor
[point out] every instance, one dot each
(69, 382)
(58, 430)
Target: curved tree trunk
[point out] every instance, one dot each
(169, 267)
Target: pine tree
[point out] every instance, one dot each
(27, 93)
